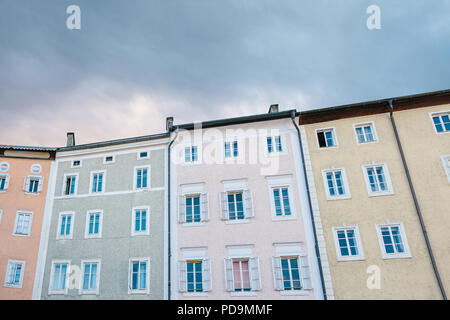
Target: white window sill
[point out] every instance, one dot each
(243, 294)
(193, 224)
(21, 235)
(64, 238)
(238, 221)
(195, 294)
(143, 233)
(33, 193)
(354, 258)
(92, 237)
(326, 148)
(294, 293)
(284, 218)
(84, 293)
(140, 292)
(397, 256)
(343, 197)
(3, 191)
(379, 194)
(367, 142)
(13, 286)
(60, 293)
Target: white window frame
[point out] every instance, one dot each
(328, 196)
(18, 212)
(406, 254)
(387, 176)
(91, 182)
(190, 255)
(109, 162)
(139, 157)
(64, 184)
(8, 266)
(149, 171)
(335, 139)
(275, 151)
(95, 291)
(28, 181)
(6, 176)
(190, 190)
(73, 166)
(130, 275)
(199, 153)
(100, 226)
(355, 228)
(438, 113)
(58, 231)
(133, 221)
(51, 290)
(446, 163)
(232, 157)
(281, 182)
(4, 164)
(365, 124)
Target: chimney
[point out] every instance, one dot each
(273, 108)
(70, 139)
(169, 123)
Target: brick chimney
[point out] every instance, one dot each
(70, 139)
(169, 123)
(273, 108)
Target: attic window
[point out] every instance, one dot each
(109, 159)
(76, 163)
(143, 155)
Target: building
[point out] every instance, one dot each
(240, 221)
(24, 177)
(378, 174)
(105, 225)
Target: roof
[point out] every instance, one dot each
(26, 148)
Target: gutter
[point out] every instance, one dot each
(169, 248)
(416, 203)
(316, 244)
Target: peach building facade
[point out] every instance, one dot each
(240, 221)
(24, 177)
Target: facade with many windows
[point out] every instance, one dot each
(24, 176)
(106, 222)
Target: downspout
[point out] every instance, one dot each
(316, 244)
(169, 248)
(416, 203)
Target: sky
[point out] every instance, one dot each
(133, 63)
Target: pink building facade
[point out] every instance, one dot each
(240, 221)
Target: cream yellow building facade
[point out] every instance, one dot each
(363, 203)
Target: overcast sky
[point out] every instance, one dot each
(135, 62)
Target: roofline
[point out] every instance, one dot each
(374, 107)
(26, 148)
(236, 120)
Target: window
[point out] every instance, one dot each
(194, 276)
(291, 273)
(58, 278)
(326, 138)
(36, 168)
(94, 220)
(446, 163)
(242, 274)
(190, 154)
(348, 243)
(108, 159)
(274, 144)
(139, 279)
(365, 132)
(193, 209)
(14, 274)
(33, 184)
(336, 184)
(143, 155)
(4, 166)
(441, 122)
(140, 223)
(281, 200)
(377, 179)
(97, 181)
(70, 184)
(231, 149)
(65, 225)
(22, 225)
(142, 177)
(236, 205)
(90, 277)
(393, 241)
(4, 182)
(194, 272)
(76, 164)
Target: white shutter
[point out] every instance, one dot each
(204, 212)
(206, 274)
(182, 276)
(229, 283)
(26, 184)
(254, 274)
(41, 180)
(248, 205)
(6, 181)
(223, 206)
(277, 273)
(182, 209)
(305, 273)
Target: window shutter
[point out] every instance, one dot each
(26, 184)
(229, 283)
(182, 276)
(204, 212)
(6, 181)
(41, 180)
(277, 273)
(223, 206)
(206, 274)
(182, 209)
(248, 207)
(254, 274)
(305, 273)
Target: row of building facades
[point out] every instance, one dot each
(348, 202)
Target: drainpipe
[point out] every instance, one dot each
(169, 283)
(416, 203)
(316, 244)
